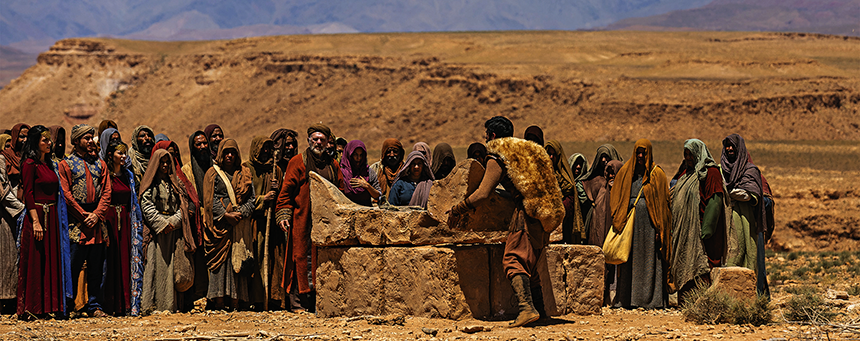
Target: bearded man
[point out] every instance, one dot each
(388, 165)
(87, 189)
(214, 136)
(285, 144)
(141, 151)
(294, 215)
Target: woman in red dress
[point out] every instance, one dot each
(43, 271)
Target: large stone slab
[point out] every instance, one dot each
(453, 282)
(337, 221)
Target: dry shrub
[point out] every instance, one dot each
(808, 307)
(714, 306)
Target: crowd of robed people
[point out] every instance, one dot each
(146, 230)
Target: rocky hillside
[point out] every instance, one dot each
(441, 87)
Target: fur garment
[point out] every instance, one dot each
(530, 170)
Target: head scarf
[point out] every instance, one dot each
(387, 175)
(477, 151)
(655, 192)
(13, 159)
(277, 136)
(575, 159)
(57, 133)
(208, 132)
(743, 174)
(165, 144)
(601, 216)
(424, 149)
(80, 130)
(161, 137)
(703, 157)
(442, 152)
(537, 132)
(422, 189)
(598, 167)
(173, 181)
(104, 125)
(187, 184)
(257, 166)
(350, 170)
(200, 163)
(562, 170)
(104, 141)
(139, 160)
(218, 240)
(6, 138)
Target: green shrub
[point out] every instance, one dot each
(792, 256)
(808, 307)
(801, 272)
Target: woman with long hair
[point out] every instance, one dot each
(124, 279)
(44, 277)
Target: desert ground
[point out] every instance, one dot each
(794, 97)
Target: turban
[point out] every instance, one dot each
(319, 127)
(81, 130)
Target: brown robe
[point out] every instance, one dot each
(294, 205)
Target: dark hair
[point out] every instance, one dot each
(501, 126)
(31, 148)
(341, 141)
(293, 134)
(114, 143)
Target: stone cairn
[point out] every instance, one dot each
(408, 261)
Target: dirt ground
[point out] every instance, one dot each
(611, 325)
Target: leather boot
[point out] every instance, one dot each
(537, 298)
(523, 291)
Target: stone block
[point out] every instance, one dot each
(736, 281)
(349, 281)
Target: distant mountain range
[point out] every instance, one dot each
(839, 17)
(32, 26)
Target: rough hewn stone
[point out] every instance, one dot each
(734, 280)
(337, 221)
(453, 282)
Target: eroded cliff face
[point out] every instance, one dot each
(442, 87)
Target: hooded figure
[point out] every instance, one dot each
(443, 161)
(228, 201)
(6, 138)
(578, 160)
(58, 139)
(200, 162)
(389, 164)
(745, 187)
(408, 190)
(104, 125)
(285, 144)
(534, 134)
(477, 151)
(13, 158)
(140, 152)
(361, 182)
(698, 217)
(266, 178)
(424, 148)
(210, 131)
(593, 180)
(643, 279)
(573, 228)
(165, 207)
